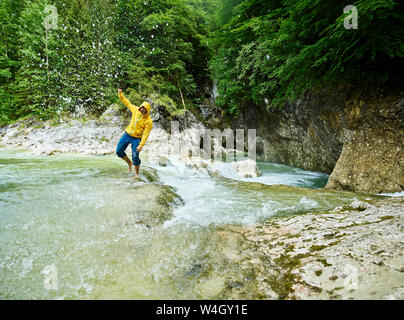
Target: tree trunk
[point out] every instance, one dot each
(182, 99)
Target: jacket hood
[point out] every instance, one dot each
(147, 106)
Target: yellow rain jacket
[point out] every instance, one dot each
(141, 124)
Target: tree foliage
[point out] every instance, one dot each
(271, 51)
(169, 38)
(150, 47)
(259, 52)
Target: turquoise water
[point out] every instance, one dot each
(274, 173)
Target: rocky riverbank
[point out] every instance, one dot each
(100, 137)
(352, 252)
(94, 137)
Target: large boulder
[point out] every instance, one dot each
(372, 159)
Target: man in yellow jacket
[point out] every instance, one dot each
(136, 133)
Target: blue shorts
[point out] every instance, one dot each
(123, 143)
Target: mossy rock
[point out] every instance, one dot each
(154, 203)
(149, 174)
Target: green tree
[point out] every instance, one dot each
(9, 14)
(168, 36)
(272, 51)
(89, 60)
(37, 78)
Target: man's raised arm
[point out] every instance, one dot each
(125, 101)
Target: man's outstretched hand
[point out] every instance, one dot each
(139, 148)
(119, 91)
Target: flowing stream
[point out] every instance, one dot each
(73, 213)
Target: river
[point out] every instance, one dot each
(72, 213)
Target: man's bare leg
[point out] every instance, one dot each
(137, 169)
(128, 162)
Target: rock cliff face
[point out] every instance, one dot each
(357, 136)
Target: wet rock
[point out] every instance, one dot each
(372, 162)
(148, 174)
(334, 255)
(155, 203)
(360, 205)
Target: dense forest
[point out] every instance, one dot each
(257, 52)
